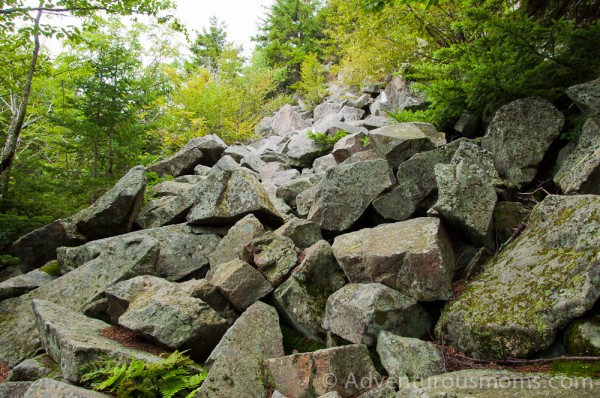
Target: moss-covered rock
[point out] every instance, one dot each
(583, 337)
(536, 286)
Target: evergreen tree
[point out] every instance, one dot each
(209, 45)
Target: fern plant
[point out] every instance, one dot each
(173, 376)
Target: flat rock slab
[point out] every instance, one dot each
(414, 257)
(398, 142)
(236, 364)
(75, 341)
(116, 210)
(358, 312)
(536, 286)
(15, 389)
(327, 371)
(46, 388)
(22, 284)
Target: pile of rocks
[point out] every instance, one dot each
(355, 249)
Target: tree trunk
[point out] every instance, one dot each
(16, 124)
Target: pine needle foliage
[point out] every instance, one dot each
(171, 377)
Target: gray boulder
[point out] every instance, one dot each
(229, 196)
(183, 162)
(265, 126)
(332, 124)
(236, 364)
(398, 142)
(466, 200)
(508, 219)
(582, 337)
(406, 356)
(302, 298)
(286, 121)
(306, 199)
(231, 247)
(34, 369)
(22, 284)
(273, 255)
(15, 389)
(580, 172)
(359, 312)
(349, 145)
(39, 246)
(346, 192)
(326, 108)
(467, 124)
(397, 97)
(116, 210)
(353, 112)
(238, 152)
(164, 313)
(227, 163)
(170, 188)
(303, 233)
(302, 150)
(414, 257)
(313, 374)
(75, 341)
(45, 388)
(211, 145)
(373, 122)
(124, 259)
(519, 136)
(587, 97)
(324, 163)
(240, 283)
(289, 190)
(537, 285)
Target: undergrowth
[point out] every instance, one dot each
(326, 142)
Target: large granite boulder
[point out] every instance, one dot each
(337, 370)
(22, 284)
(231, 247)
(587, 97)
(519, 136)
(38, 247)
(349, 145)
(170, 209)
(273, 255)
(46, 388)
(398, 142)
(536, 286)
(303, 233)
(116, 210)
(414, 257)
(358, 312)
(163, 312)
(303, 297)
(229, 196)
(75, 341)
(302, 150)
(287, 120)
(184, 250)
(580, 172)
(326, 108)
(236, 364)
(346, 191)
(122, 260)
(397, 96)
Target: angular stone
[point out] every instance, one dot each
(231, 195)
(45, 388)
(286, 121)
(265, 126)
(410, 357)
(332, 124)
(324, 163)
(398, 142)
(170, 188)
(359, 312)
(75, 341)
(583, 337)
(184, 250)
(587, 97)
(33, 369)
(240, 283)
(353, 113)
(306, 199)
(183, 162)
(302, 298)
(519, 136)
(291, 189)
(236, 364)
(466, 200)
(303, 233)
(326, 108)
(123, 259)
(537, 285)
(302, 150)
(207, 292)
(14, 389)
(346, 192)
(39, 246)
(231, 247)
(316, 373)
(270, 169)
(372, 89)
(227, 163)
(467, 124)
(373, 122)
(238, 152)
(580, 172)
(22, 284)
(211, 145)
(116, 210)
(273, 255)
(417, 188)
(162, 312)
(348, 145)
(508, 219)
(414, 257)
(397, 96)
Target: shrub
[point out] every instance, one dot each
(325, 141)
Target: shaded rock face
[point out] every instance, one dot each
(311, 375)
(519, 136)
(359, 312)
(163, 312)
(398, 142)
(116, 210)
(231, 247)
(22, 284)
(31, 369)
(415, 257)
(38, 247)
(542, 280)
(273, 255)
(580, 172)
(75, 341)
(587, 97)
(122, 260)
(302, 298)
(236, 364)
(346, 191)
(508, 218)
(583, 337)
(348, 145)
(303, 233)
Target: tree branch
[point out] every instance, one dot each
(9, 11)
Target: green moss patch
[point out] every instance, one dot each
(577, 368)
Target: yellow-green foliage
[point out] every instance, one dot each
(170, 377)
(325, 141)
(311, 85)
